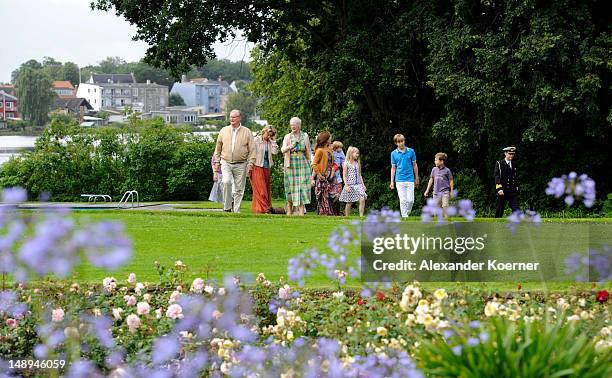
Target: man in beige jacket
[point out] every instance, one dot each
(235, 156)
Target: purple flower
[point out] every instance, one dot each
(472, 341)
(382, 222)
(101, 327)
(574, 187)
(14, 195)
(519, 217)
(484, 337)
(595, 266)
(164, 349)
(83, 369)
(10, 306)
(41, 351)
(556, 187)
(432, 210)
(457, 350)
(466, 210)
(105, 244)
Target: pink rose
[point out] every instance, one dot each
(174, 297)
(131, 279)
(139, 288)
(133, 322)
(11, 323)
(284, 292)
(197, 285)
(142, 308)
(175, 311)
(130, 300)
(57, 315)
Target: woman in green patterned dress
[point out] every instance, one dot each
(296, 152)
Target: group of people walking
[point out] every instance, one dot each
(335, 177)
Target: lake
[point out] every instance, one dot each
(10, 145)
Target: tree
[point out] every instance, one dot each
(243, 101)
(225, 70)
(466, 76)
(35, 95)
(175, 99)
(70, 72)
(143, 72)
(111, 65)
(32, 63)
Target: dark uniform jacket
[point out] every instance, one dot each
(506, 178)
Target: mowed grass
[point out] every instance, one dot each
(215, 244)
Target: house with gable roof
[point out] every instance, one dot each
(119, 91)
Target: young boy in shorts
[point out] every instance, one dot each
(442, 180)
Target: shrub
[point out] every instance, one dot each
(522, 349)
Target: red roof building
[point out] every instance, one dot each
(8, 106)
(64, 89)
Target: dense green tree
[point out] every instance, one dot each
(54, 69)
(243, 101)
(35, 95)
(175, 99)
(70, 72)
(32, 63)
(111, 65)
(225, 69)
(463, 76)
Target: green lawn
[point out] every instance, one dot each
(219, 243)
(213, 244)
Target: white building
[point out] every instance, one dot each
(118, 91)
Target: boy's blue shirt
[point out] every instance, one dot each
(403, 163)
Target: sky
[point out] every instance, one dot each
(68, 30)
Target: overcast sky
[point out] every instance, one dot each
(68, 30)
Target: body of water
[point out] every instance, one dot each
(11, 145)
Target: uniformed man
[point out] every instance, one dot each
(506, 182)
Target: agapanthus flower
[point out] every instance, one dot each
(574, 188)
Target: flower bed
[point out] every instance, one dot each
(237, 329)
(124, 328)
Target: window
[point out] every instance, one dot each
(122, 102)
(88, 90)
(135, 92)
(1, 102)
(9, 105)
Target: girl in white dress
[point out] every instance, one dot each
(354, 189)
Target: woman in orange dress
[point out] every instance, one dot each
(265, 148)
